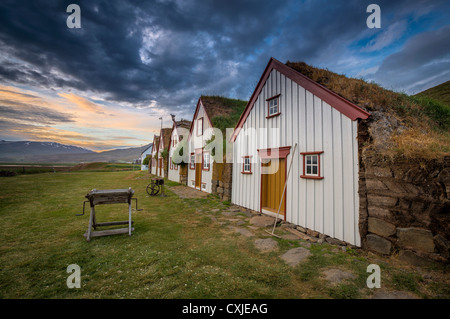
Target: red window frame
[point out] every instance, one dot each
(278, 106)
(198, 126)
(192, 163)
(304, 175)
(243, 171)
(203, 161)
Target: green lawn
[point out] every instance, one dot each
(181, 248)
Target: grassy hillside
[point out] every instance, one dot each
(400, 125)
(440, 93)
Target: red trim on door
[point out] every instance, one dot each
(274, 153)
(279, 152)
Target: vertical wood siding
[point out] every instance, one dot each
(329, 205)
(174, 174)
(196, 142)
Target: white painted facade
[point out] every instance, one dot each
(174, 170)
(144, 154)
(154, 156)
(196, 142)
(160, 164)
(329, 205)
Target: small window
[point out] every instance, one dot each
(311, 165)
(273, 106)
(206, 161)
(203, 186)
(192, 162)
(170, 163)
(247, 165)
(200, 126)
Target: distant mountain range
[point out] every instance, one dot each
(51, 152)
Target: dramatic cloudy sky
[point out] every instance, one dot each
(106, 84)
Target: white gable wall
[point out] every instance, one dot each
(148, 151)
(197, 142)
(174, 174)
(154, 160)
(329, 205)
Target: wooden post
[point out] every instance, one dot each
(91, 219)
(129, 218)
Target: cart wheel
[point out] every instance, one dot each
(152, 189)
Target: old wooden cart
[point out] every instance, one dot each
(108, 196)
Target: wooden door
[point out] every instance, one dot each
(198, 170)
(272, 185)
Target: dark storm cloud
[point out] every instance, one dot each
(171, 52)
(424, 57)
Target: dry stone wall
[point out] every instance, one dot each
(405, 208)
(221, 180)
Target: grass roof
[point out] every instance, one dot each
(223, 112)
(400, 125)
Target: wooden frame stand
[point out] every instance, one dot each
(112, 196)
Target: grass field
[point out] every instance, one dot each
(181, 248)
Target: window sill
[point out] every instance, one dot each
(273, 115)
(311, 177)
(246, 172)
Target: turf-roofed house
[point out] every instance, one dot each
(178, 170)
(208, 170)
(346, 161)
(163, 153)
(153, 164)
(296, 154)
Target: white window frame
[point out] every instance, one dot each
(311, 165)
(273, 107)
(206, 161)
(247, 165)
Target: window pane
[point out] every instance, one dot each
(273, 106)
(308, 169)
(314, 159)
(314, 170)
(308, 159)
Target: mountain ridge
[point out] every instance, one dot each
(52, 152)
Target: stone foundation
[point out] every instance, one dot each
(405, 208)
(221, 180)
